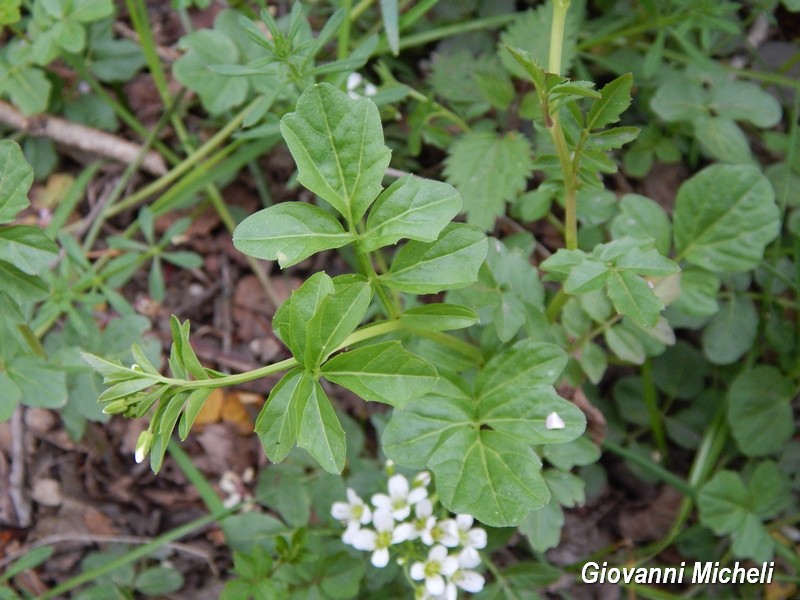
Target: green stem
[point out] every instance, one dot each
(195, 477)
(663, 474)
(343, 47)
(392, 310)
(560, 8)
(186, 165)
(415, 13)
(556, 305)
(136, 554)
(651, 401)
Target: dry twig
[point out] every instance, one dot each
(81, 137)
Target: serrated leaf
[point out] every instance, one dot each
(633, 297)
(615, 97)
(336, 317)
(412, 208)
(289, 232)
(488, 171)
(26, 86)
(321, 432)
(16, 176)
(439, 317)
(337, 143)
(760, 410)
(382, 372)
(450, 262)
(710, 210)
(277, 425)
(489, 475)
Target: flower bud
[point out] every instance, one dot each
(116, 407)
(143, 445)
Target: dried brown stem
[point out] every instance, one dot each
(81, 137)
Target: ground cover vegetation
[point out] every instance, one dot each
(441, 298)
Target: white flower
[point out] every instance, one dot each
(371, 90)
(400, 498)
(422, 525)
(421, 479)
(463, 533)
(353, 81)
(378, 541)
(354, 513)
(444, 532)
(434, 570)
(469, 581)
(554, 421)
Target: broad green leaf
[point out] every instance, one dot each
(760, 410)
(21, 286)
(681, 371)
(642, 217)
(320, 431)
(27, 248)
(588, 276)
(698, 293)
(625, 344)
(488, 171)
(524, 365)
(291, 319)
(277, 425)
(12, 396)
(26, 86)
(543, 526)
(204, 48)
(283, 489)
(289, 232)
(710, 211)
(732, 331)
(382, 372)
(336, 317)
(489, 475)
(452, 261)
(43, 385)
(156, 581)
(728, 507)
(521, 412)
(412, 208)
(439, 317)
(633, 297)
(337, 143)
(413, 433)
(745, 101)
(16, 177)
(648, 263)
(678, 98)
(723, 140)
(615, 97)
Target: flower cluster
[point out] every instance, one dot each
(442, 553)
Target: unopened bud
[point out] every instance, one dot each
(143, 445)
(116, 407)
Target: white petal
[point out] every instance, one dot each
(437, 553)
(423, 478)
(365, 540)
(449, 566)
(380, 558)
(398, 486)
(383, 521)
(366, 514)
(452, 592)
(423, 509)
(477, 537)
(469, 558)
(353, 81)
(554, 421)
(418, 571)
(382, 501)
(401, 513)
(350, 533)
(417, 495)
(464, 522)
(435, 585)
(341, 511)
(470, 581)
(352, 497)
(403, 532)
(370, 89)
